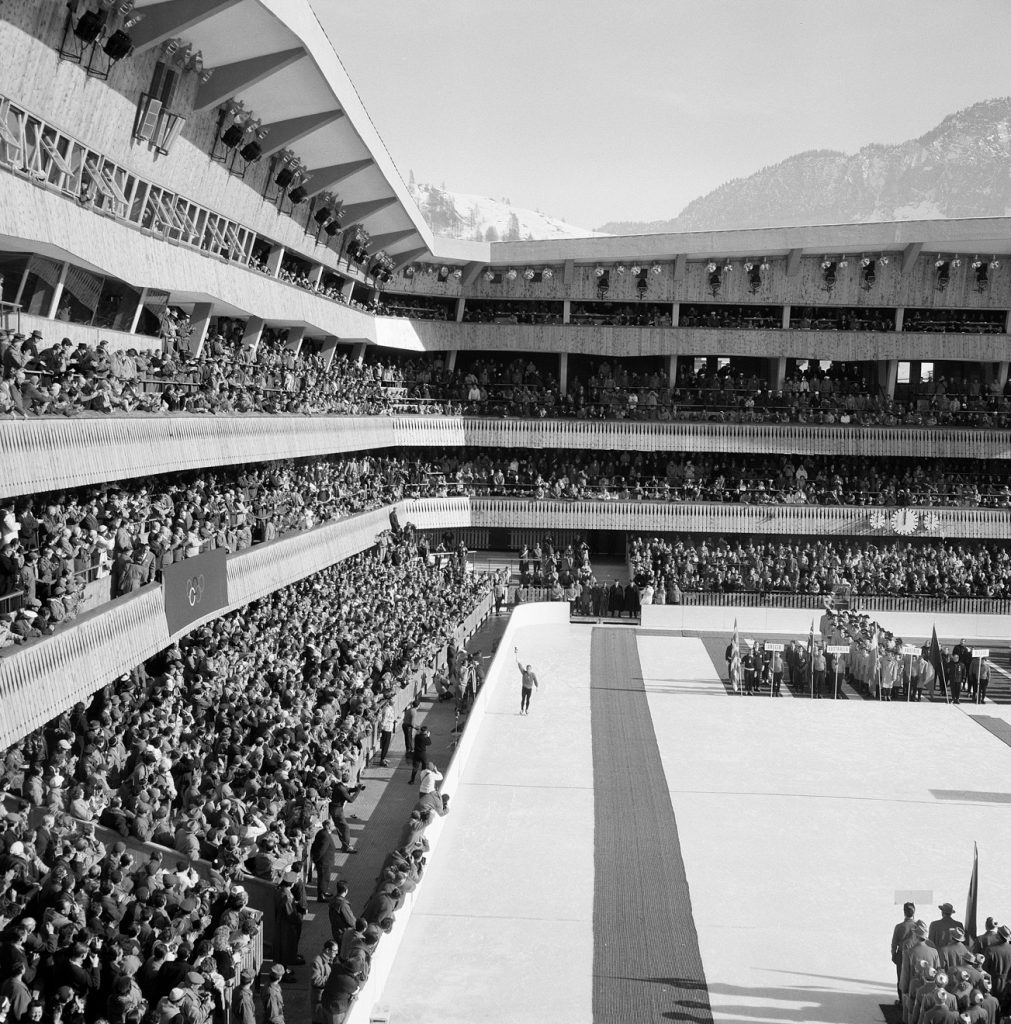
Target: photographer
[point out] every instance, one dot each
(340, 795)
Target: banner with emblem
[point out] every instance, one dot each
(194, 588)
(735, 661)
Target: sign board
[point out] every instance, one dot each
(837, 649)
(775, 647)
(910, 652)
(981, 652)
(194, 587)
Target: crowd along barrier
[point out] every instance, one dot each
(260, 892)
(55, 453)
(368, 1002)
(43, 678)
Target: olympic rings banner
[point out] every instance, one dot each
(194, 588)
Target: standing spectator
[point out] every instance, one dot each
(420, 754)
(340, 796)
(387, 723)
(407, 726)
(273, 998)
(322, 965)
(243, 1007)
(900, 933)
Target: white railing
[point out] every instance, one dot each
(42, 453)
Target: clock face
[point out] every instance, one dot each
(905, 520)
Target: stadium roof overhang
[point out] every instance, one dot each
(980, 235)
(275, 57)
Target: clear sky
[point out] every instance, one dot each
(627, 110)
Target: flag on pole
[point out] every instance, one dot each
(970, 905)
(810, 656)
(938, 663)
(735, 661)
(875, 661)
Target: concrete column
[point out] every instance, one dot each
(24, 280)
(461, 305)
(899, 317)
(329, 349)
(251, 337)
(786, 318)
(316, 274)
(563, 372)
(54, 305)
(675, 317)
(1007, 319)
(888, 372)
(1000, 377)
(274, 260)
(358, 352)
(137, 312)
(566, 311)
(451, 360)
(347, 288)
(777, 372)
(200, 321)
(672, 369)
(294, 342)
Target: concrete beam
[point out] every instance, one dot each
(359, 211)
(173, 18)
(471, 272)
(230, 79)
(403, 258)
(282, 134)
(909, 255)
(322, 178)
(680, 265)
(391, 238)
(793, 262)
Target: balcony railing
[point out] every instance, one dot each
(46, 454)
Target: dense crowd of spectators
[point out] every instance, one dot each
(229, 746)
(621, 314)
(488, 387)
(754, 318)
(944, 321)
(66, 380)
(52, 545)
(743, 564)
(484, 311)
(726, 478)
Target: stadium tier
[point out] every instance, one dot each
(272, 454)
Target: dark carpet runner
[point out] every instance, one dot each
(646, 960)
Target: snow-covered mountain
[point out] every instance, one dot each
(958, 169)
(457, 215)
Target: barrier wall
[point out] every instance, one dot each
(763, 622)
(49, 453)
(42, 679)
(382, 961)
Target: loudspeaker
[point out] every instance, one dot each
(251, 152)
(285, 177)
(297, 195)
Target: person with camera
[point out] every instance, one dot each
(341, 795)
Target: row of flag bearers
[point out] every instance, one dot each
(853, 649)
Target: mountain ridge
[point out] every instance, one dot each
(957, 169)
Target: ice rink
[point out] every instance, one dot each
(803, 826)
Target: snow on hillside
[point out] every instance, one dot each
(458, 215)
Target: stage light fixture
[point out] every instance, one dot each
(233, 136)
(89, 27)
(285, 177)
(118, 46)
(251, 152)
(322, 215)
(332, 228)
(299, 194)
